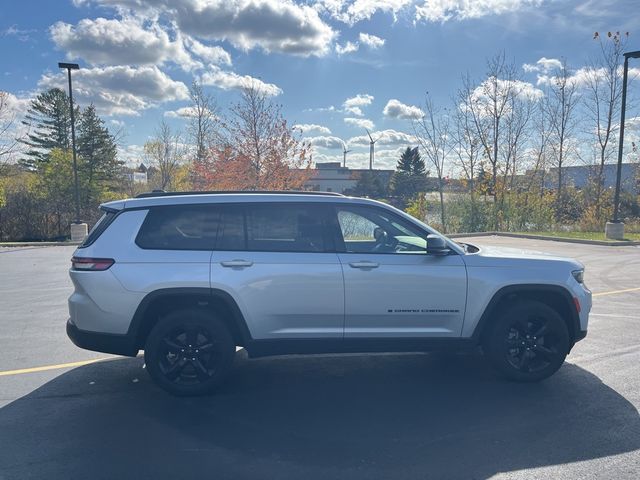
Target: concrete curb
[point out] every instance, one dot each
(605, 243)
(38, 244)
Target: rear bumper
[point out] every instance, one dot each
(102, 342)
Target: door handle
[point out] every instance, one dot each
(236, 263)
(364, 264)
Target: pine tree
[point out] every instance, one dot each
(98, 150)
(410, 176)
(49, 123)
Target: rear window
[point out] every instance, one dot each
(285, 228)
(180, 228)
(100, 226)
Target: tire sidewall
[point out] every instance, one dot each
(220, 336)
(496, 351)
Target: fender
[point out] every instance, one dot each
(573, 322)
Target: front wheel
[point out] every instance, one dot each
(189, 352)
(528, 342)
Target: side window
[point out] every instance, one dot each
(285, 228)
(188, 227)
(374, 230)
(231, 233)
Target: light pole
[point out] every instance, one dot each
(76, 234)
(615, 228)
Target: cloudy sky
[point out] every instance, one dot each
(336, 66)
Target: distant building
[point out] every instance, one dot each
(333, 177)
(579, 176)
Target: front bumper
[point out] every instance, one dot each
(102, 342)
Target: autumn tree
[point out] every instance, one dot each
(202, 126)
(257, 150)
(8, 141)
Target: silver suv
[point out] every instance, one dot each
(189, 277)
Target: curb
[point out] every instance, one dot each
(604, 243)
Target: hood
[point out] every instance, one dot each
(503, 256)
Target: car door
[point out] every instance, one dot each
(278, 262)
(392, 286)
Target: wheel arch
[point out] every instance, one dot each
(165, 300)
(555, 296)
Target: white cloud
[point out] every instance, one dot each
(120, 42)
(396, 109)
(271, 25)
(352, 12)
(182, 112)
(132, 155)
(120, 90)
(311, 127)
(211, 54)
(360, 122)
(348, 47)
(230, 80)
(371, 41)
(444, 10)
(353, 105)
(544, 65)
(581, 77)
(385, 137)
(524, 90)
(325, 142)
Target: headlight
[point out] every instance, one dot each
(578, 275)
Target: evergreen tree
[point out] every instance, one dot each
(98, 150)
(49, 123)
(410, 176)
(369, 185)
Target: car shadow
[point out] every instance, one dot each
(351, 416)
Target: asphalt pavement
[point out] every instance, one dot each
(388, 416)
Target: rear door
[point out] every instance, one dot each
(278, 261)
(393, 288)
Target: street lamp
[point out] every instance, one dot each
(615, 228)
(77, 234)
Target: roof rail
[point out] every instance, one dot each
(162, 193)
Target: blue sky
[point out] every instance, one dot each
(139, 56)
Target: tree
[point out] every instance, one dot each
(49, 123)
(8, 142)
(560, 105)
(369, 185)
(98, 149)
(410, 176)
(202, 125)
(432, 132)
(165, 152)
(602, 102)
(257, 150)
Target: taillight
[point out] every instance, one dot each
(91, 264)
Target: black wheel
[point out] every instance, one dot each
(528, 341)
(189, 352)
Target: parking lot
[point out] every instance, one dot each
(417, 416)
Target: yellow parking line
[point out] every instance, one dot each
(50, 367)
(613, 292)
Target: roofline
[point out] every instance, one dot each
(162, 193)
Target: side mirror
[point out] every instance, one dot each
(436, 245)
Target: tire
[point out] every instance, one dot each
(189, 352)
(528, 342)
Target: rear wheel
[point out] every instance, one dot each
(528, 341)
(189, 352)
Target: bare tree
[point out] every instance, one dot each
(433, 134)
(560, 108)
(602, 101)
(202, 126)
(166, 153)
(8, 140)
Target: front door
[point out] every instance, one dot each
(392, 286)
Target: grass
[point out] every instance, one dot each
(585, 235)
